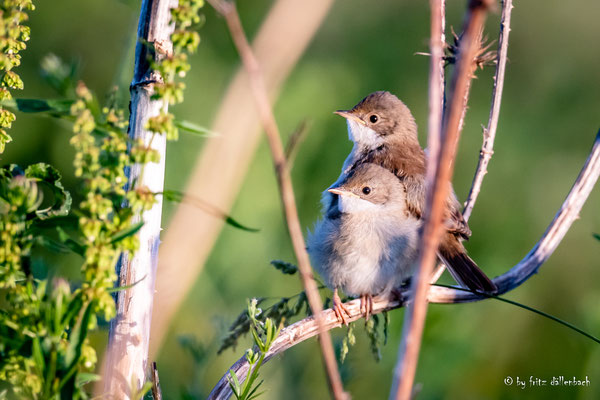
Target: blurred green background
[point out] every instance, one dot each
(549, 118)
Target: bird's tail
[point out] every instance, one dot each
(462, 268)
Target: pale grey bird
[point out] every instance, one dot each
(367, 246)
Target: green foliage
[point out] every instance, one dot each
(13, 36)
(175, 65)
(43, 331)
(264, 334)
(22, 205)
(349, 340)
(285, 267)
(45, 351)
(283, 310)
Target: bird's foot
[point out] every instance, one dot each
(340, 309)
(366, 305)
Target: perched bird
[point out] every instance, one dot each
(368, 246)
(384, 132)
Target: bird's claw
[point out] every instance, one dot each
(340, 309)
(366, 305)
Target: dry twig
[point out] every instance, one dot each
(516, 276)
(489, 132)
(438, 181)
(229, 11)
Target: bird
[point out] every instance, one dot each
(369, 246)
(384, 132)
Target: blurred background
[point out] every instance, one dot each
(549, 118)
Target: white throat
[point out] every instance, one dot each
(363, 135)
(351, 204)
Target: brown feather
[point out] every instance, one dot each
(462, 268)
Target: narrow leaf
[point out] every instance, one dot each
(124, 287)
(77, 336)
(39, 105)
(86, 377)
(38, 355)
(180, 197)
(194, 128)
(130, 231)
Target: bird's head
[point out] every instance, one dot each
(378, 119)
(369, 187)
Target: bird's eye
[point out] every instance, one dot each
(366, 190)
(373, 118)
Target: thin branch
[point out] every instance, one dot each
(229, 11)
(516, 276)
(489, 132)
(436, 82)
(438, 185)
(156, 392)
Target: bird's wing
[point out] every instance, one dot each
(455, 222)
(415, 201)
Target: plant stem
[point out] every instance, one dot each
(127, 353)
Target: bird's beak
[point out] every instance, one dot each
(349, 115)
(341, 192)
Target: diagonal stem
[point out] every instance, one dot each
(229, 11)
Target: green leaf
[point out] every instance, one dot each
(235, 224)
(125, 233)
(180, 197)
(234, 384)
(53, 245)
(86, 377)
(194, 128)
(63, 221)
(251, 395)
(72, 244)
(285, 267)
(51, 177)
(77, 336)
(125, 287)
(38, 355)
(597, 236)
(52, 106)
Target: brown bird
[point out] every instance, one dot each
(384, 132)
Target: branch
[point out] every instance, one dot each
(489, 132)
(127, 353)
(438, 186)
(516, 276)
(229, 11)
